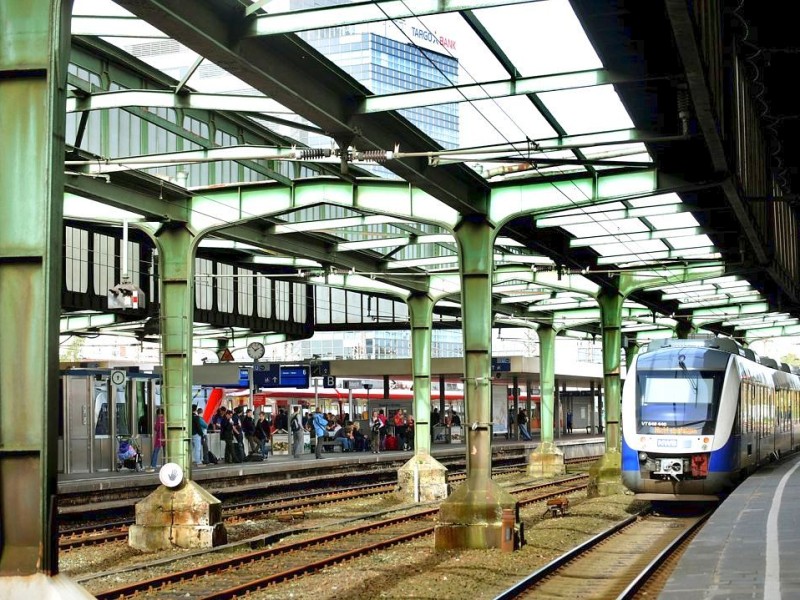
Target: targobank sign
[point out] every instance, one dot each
(426, 35)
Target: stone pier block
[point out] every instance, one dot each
(184, 517)
(422, 479)
(472, 518)
(546, 460)
(605, 476)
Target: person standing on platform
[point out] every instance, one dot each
(569, 421)
(522, 422)
(376, 425)
(197, 438)
(203, 434)
(298, 432)
(249, 431)
(159, 439)
(320, 424)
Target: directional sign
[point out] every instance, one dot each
(501, 363)
(274, 375)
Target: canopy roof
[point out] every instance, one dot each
(360, 133)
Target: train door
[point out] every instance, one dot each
(77, 399)
(112, 418)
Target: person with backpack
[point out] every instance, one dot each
(320, 424)
(249, 431)
(298, 433)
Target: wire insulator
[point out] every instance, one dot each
(378, 156)
(312, 153)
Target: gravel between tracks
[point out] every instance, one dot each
(413, 570)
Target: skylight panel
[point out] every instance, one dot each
(609, 228)
(587, 110)
(684, 219)
(690, 241)
(540, 37)
(501, 121)
(631, 248)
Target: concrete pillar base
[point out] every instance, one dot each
(605, 476)
(422, 479)
(42, 587)
(472, 518)
(547, 460)
(183, 517)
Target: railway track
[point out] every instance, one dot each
(76, 537)
(620, 562)
(237, 575)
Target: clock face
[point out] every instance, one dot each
(117, 377)
(255, 350)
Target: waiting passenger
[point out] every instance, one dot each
(375, 438)
(249, 431)
(159, 438)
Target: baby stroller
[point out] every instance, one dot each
(128, 455)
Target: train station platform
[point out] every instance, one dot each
(750, 547)
(125, 487)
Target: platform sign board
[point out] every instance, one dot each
(501, 364)
(274, 375)
(329, 382)
(293, 376)
(244, 377)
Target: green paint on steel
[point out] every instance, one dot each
(547, 351)
(32, 119)
(176, 256)
(420, 308)
(610, 301)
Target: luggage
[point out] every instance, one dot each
(391, 442)
(212, 458)
(254, 457)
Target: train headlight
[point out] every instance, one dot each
(642, 456)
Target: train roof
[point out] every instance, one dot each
(724, 345)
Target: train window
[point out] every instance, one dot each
(102, 418)
(677, 402)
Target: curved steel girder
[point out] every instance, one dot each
(290, 71)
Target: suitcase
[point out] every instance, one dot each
(391, 442)
(254, 457)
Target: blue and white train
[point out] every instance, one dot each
(699, 415)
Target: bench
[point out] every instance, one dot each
(329, 445)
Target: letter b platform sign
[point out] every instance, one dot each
(329, 381)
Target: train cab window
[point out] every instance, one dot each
(677, 402)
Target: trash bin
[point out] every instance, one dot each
(280, 442)
(456, 434)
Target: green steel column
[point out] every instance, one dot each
(547, 378)
(472, 517)
(176, 266)
(475, 241)
(34, 49)
(420, 308)
(631, 350)
(605, 475)
(683, 328)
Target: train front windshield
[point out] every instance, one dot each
(677, 402)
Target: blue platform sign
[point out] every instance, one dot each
(274, 375)
(501, 363)
(244, 377)
(292, 376)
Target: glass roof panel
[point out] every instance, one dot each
(588, 109)
(503, 120)
(609, 228)
(684, 219)
(540, 37)
(690, 241)
(632, 249)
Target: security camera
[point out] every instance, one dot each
(498, 375)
